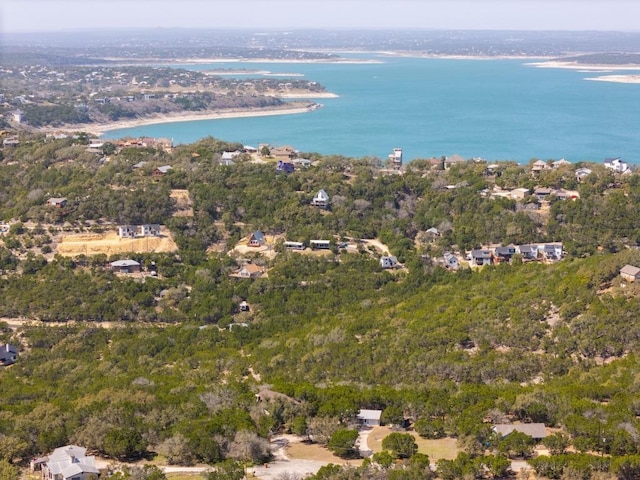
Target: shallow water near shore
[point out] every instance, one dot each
(495, 109)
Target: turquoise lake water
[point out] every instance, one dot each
(494, 109)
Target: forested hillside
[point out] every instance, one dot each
(170, 364)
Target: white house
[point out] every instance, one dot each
(395, 158)
(388, 262)
(321, 199)
(369, 418)
(70, 463)
(616, 164)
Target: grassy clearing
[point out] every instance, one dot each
(310, 451)
(435, 449)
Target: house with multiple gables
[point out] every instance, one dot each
(250, 271)
(69, 463)
(617, 165)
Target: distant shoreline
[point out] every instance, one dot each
(99, 129)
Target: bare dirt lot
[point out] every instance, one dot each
(183, 203)
(110, 243)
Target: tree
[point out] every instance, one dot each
(8, 471)
(556, 443)
(383, 458)
(517, 444)
(402, 445)
(343, 443)
(227, 470)
(124, 443)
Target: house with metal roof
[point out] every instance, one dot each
(125, 266)
(537, 431)
(70, 463)
(369, 418)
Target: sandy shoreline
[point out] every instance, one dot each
(582, 66)
(99, 129)
(616, 78)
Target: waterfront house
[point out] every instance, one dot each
(70, 463)
(617, 165)
(227, 158)
(321, 199)
(58, 202)
(283, 153)
(538, 166)
(395, 158)
(560, 163)
(8, 354)
(630, 273)
(519, 193)
(454, 159)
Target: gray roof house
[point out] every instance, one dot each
(504, 254)
(528, 252)
(126, 266)
(8, 354)
(70, 463)
(370, 418)
(481, 257)
(537, 431)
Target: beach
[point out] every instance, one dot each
(98, 129)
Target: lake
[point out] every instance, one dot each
(495, 109)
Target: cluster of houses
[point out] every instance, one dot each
(541, 193)
(491, 256)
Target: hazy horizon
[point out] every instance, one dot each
(33, 16)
